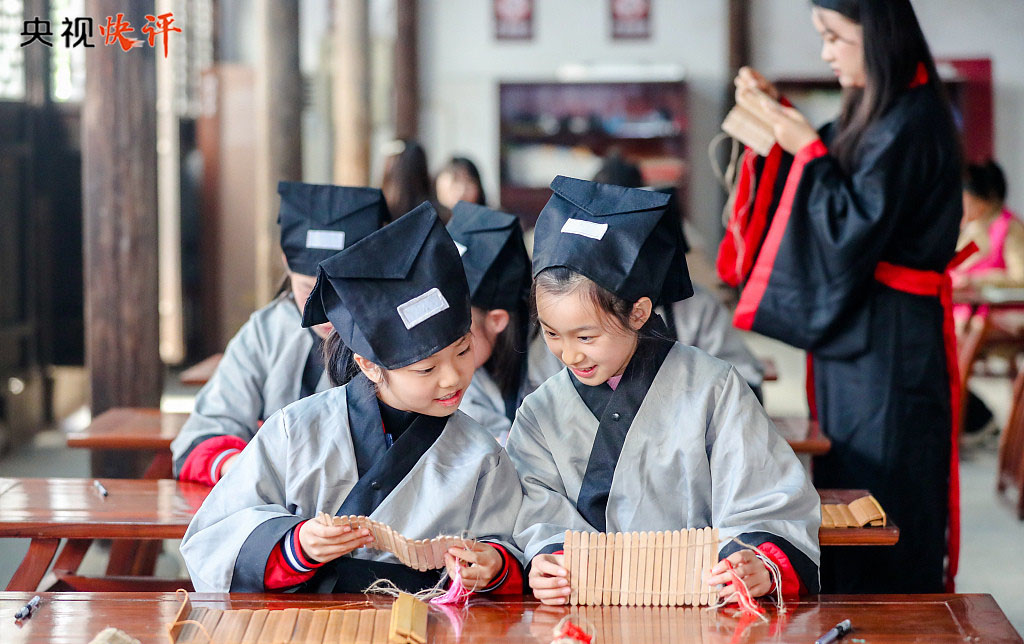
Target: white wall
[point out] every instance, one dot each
(462, 65)
(785, 44)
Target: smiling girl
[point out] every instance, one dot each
(391, 444)
(640, 432)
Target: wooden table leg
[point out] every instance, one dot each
(122, 556)
(162, 467)
(34, 566)
(71, 556)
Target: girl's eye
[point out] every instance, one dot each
(550, 334)
(424, 372)
(584, 338)
(464, 351)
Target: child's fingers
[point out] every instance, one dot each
(469, 556)
(547, 582)
(554, 597)
(547, 567)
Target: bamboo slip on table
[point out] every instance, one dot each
(77, 617)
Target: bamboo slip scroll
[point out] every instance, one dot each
(421, 554)
(404, 623)
(865, 511)
(748, 123)
(641, 568)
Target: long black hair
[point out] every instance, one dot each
(507, 361)
(894, 46)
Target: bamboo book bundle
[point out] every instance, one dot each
(404, 623)
(421, 554)
(748, 124)
(641, 568)
(863, 512)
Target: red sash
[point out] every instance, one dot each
(931, 283)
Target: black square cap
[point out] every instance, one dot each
(493, 254)
(398, 295)
(319, 220)
(627, 240)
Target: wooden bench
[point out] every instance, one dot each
(200, 373)
(51, 510)
(77, 617)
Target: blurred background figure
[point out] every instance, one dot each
(987, 222)
(406, 181)
(459, 180)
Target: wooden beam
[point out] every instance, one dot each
(351, 92)
(406, 70)
(739, 36)
(120, 218)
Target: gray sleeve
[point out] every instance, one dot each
(546, 511)
(252, 493)
(496, 505)
(758, 484)
(231, 403)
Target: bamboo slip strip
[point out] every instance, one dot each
(863, 512)
(421, 554)
(748, 122)
(641, 568)
(404, 623)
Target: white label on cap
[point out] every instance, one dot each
(422, 307)
(584, 228)
(462, 249)
(326, 239)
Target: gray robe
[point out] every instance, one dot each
(260, 373)
(701, 321)
(304, 460)
(699, 451)
(483, 401)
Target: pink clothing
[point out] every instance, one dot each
(613, 382)
(997, 241)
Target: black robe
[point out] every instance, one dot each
(881, 388)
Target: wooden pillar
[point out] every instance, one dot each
(351, 92)
(120, 219)
(739, 36)
(279, 149)
(406, 70)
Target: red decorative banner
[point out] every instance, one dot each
(513, 19)
(631, 18)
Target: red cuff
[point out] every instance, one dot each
(812, 150)
(792, 586)
(205, 462)
(509, 580)
(280, 572)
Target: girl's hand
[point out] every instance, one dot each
(750, 78)
(750, 569)
(325, 543)
(549, 579)
(791, 129)
(484, 564)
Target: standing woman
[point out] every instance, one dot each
(860, 233)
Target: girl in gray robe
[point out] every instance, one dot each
(272, 361)
(389, 445)
(640, 432)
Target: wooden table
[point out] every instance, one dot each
(886, 535)
(803, 435)
(77, 617)
(48, 511)
(201, 372)
(134, 428)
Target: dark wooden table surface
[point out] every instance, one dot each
(201, 372)
(144, 428)
(49, 510)
(77, 617)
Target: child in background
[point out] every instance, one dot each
(511, 359)
(272, 361)
(390, 445)
(640, 432)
